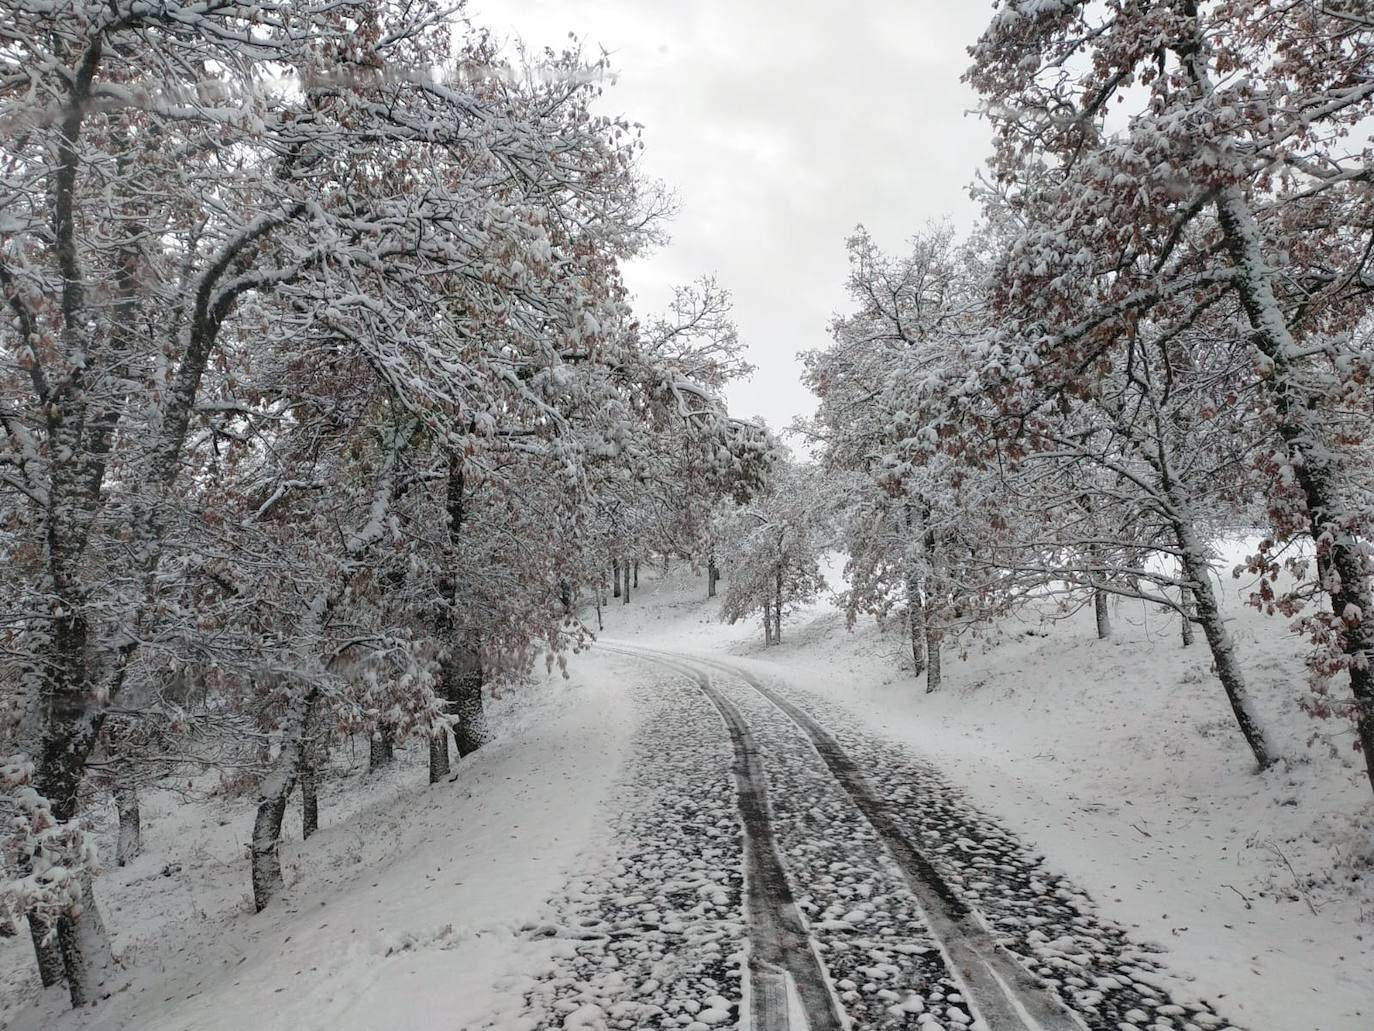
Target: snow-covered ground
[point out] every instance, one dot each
(429, 907)
(405, 910)
(1120, 761)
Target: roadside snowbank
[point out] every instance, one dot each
(403, 911)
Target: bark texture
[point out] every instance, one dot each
(129, 841)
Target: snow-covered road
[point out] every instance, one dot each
(836, 881)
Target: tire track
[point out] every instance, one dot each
(1001, 991)
(780, 946)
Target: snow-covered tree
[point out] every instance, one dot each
(1182, 162)
(771, 548)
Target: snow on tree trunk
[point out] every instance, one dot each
(1104, 619)
(272, 797)
(87, 960)
(1346, 581)
(615, 578)
(915, 625)
(46, 951)
(767, 623)
(1186, 620)
(712, 576)
(438, 754)
(1197, 572)
(381, 750)
(471, 730)
(126, 804)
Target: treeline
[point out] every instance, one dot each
(1159, 333)
(323, 406)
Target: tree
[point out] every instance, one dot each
(180, 226)
(1225, 191)
(772, 547)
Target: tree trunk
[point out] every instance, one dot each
(310, 799)
(1198, 573)
(1340, 551)
(1187, 621)
(636, 565)
(466, 673)
(438, 754)
(1104, 619)
(126, 804)
(777, 606)
(915, 625)
(767, 623)
(87, 960)
(712, 576)
(625, 586)
(615, 577)
(933, 672)
(47, 952)
(272, 796)
(381, 748)
(600, 625)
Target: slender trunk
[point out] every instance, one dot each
(615, 577)
(1104, 619)
(636, 565)
(1189, 608)
(1338, 549)
(310, 799)
(46, 951)
(126, 804)
(466, 666)
(381, 748)
(712, 576)
(933, 672)
(915, 624)
(625, 577)
(438, 754)
(933, 634)
(767, 623)
(1198, 573)
(272, 796)
(600, 625)
(777, 606)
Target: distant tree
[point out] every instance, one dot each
(771, 548)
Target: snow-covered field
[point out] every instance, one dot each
(430, 907)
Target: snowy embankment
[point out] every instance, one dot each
(404, 910)
(1120, 760)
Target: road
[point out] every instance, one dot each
(771, 866)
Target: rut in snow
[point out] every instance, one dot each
(1037, 922)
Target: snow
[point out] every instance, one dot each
(406, 911)
(1120, 761)
(430, 907)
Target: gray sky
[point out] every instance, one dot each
(780, 126)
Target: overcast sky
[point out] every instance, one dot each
(780, 125)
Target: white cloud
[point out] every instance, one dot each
(780, 126)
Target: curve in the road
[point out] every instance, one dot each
(779, 943)
(1002, 991)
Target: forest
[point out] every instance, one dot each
(326, 416)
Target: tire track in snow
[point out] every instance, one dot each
(1002, 992)
(780, 946)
